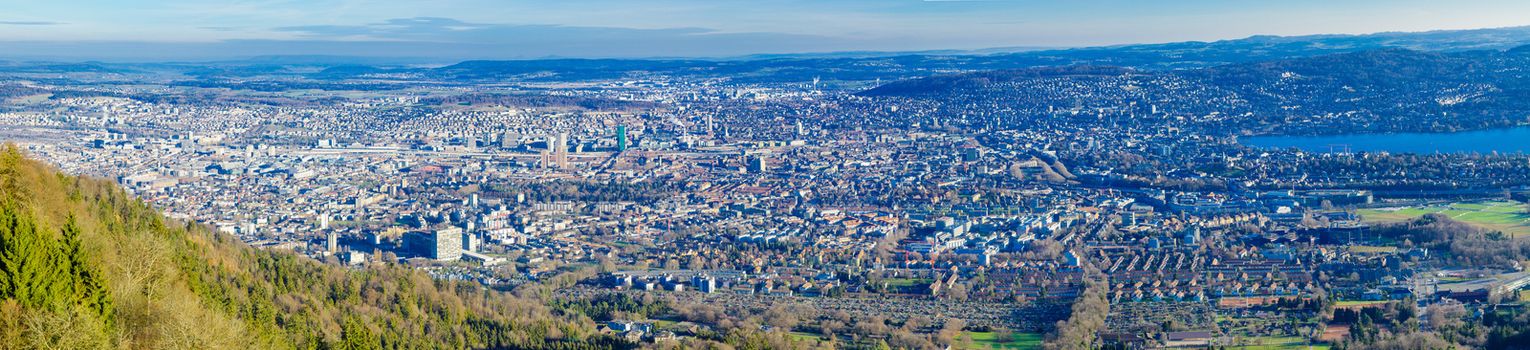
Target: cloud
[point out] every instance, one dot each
(445, 39)
(30, 23)
(438, 29)
(460, 38)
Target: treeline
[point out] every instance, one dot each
(1081, 330)
(10, 91)
(582, 191)
(1466, 245)
(88, 266)
(282, 85)
(739, 325)
(536, 101)
(1444, 325)
(614, 306)
(1367, 324)
(1388, 326)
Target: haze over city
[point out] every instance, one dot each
(482, 29)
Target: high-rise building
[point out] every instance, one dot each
(757, 164)
(447, 244)
(332, 242)
(560, 150)
(621, 138)
(704, 283)
(471, 242)
(1193, 235)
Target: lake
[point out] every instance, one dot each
(1509, 140)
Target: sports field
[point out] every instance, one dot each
(1509, 217)
(1279, 343)
(990, 340)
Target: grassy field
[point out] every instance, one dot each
(990, 340)
(1278, 343)
(1357, 303)
(663, 323)
(810, 338)
(906, 282)
(29, 99)
(1509, 217)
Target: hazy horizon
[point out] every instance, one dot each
(477, 29)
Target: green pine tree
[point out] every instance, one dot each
(11, 189)
(88, 287)
(356, 336)
(34, 272)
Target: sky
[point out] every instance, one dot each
(685, 28)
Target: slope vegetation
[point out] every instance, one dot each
(86, 265)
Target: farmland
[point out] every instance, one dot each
(1509, 217)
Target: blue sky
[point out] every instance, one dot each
(646, 28)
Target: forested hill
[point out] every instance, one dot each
(86, 265)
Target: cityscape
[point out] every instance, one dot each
(1260, 193)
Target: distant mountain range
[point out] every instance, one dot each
(853, 66)
(869, 66)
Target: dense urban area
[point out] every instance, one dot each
(685, 204)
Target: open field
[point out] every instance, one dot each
(1357, 303)
(990, 340)
(805, 337)
(29, 99)
(1278, 343)
(906, 282)
(1509, 217)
